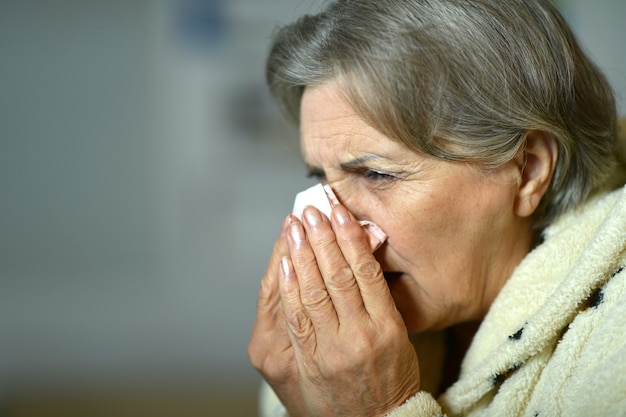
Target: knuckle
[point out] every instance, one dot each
(300, 325)
(275, 369)
(267, 303)
(266, 289)
(253, 356)
(315, 299)
(367, 268)
(324, 238)
(348, 359)
(305, 259)
(340, 277)
(391, 332)
(363, 345)
(259, 347)
(266, 362)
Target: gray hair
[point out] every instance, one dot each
(462, 80)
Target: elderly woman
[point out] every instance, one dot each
(479, 137)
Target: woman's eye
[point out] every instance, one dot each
(374, 175)
(317, 174)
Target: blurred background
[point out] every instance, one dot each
(144, 174)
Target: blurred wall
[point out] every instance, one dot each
(600, 28)
(144, 173)
(143, 176)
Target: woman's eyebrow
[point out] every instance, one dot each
(358, 162)
(315, 171)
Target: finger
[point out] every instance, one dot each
(336, 272)
(367, 271)
(299, 325)
(269, 315)
(269, 297)
(312, 289)
(269, 333)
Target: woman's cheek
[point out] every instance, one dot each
(358, 203)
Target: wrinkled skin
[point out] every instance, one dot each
(331, 332)
(331, 323)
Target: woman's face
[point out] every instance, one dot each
(454, 237)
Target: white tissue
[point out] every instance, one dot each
(315, 196)
(322, 197)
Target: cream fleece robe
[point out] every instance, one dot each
(554, 341)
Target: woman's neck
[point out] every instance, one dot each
(458, 340)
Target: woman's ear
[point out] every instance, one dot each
(536, 163)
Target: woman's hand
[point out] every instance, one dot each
(270, 349)
(349, 347)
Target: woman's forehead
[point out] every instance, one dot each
(328, 120)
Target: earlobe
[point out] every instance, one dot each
(536, 162)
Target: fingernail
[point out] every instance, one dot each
(285, 266)
(312, 216)
(331, 195)
(375, 234)
(286, 222)
(342, 215)
(297, 232)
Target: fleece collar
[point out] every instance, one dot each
(580, 253)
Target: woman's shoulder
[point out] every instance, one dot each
(594, 352)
